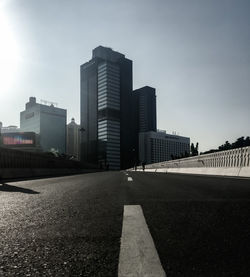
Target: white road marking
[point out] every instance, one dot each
(130, 179)
(138, 256)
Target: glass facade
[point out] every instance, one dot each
(106, 110)
(108, 87)
(146, 108)
(108, 115)
(109, 143)
(89, 139)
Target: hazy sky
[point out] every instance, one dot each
(196, 53)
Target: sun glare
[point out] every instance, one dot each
(9, 54)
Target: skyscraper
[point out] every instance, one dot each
(73, 139)
(145, 101)
(144, 114)
(106, 101)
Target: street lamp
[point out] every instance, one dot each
(81, 130)
(133, 151)
(1, 125)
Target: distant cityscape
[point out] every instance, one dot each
(118, 125)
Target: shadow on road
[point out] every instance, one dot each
(6, 187)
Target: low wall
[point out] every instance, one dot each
(20, 164)
(241, 172)
(234, 162)
(15, 173)
(10, 158)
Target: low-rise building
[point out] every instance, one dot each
(159, 146)
(9, 129)
(26, 141)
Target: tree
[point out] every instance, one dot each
(247, 141)
(240, 142)
(194, 150)
(225, 146)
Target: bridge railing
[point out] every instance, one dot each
(239, 157)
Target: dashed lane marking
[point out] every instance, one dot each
(130, 179)
(138, 256)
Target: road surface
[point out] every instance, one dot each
(72, 226)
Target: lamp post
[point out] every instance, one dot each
(81, 130)
(1, 125)
(134, 160)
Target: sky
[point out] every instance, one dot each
(196, 53)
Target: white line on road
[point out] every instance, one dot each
(130, 179)
(138, 256)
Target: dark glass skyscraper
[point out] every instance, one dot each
(145, 101)
(144, 114)
(106, 117)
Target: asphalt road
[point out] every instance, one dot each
(71, 226)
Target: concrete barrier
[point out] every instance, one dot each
(234, 162)
(207, 171)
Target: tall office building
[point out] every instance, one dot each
(48, 122)
(106, 101)
(145, 114)
(145, 101)
(73, 139)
